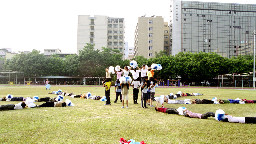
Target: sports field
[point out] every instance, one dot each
(89, 121)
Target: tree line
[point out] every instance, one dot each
(189, 67)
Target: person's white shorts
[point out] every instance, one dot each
(125, 97)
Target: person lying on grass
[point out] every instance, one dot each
(166, 110)
(170, 101)
(190, 114)
(13, 99)
(20, 105)
(59, 92)
(185, 112)
(53, 104)
(221, 116)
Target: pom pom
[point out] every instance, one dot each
(159, 67)
(111, 70)
(215, 100)
(175, 97)
(156, 67)
(181, 110)
(220, 115)
(103, 98)
(69, 103)
(187, 101)
(117, 68)
(9, 96)
(133, 64)
(35, 98)
(125, 80)
(59, 98)
(88, 95)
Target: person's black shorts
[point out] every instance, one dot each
(152, 95)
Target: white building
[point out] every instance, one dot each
(222, 28)
(102, 31)
(48, 52)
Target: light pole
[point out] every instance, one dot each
(254, 34)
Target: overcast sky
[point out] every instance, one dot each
(44, 24)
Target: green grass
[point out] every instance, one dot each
(92, 122)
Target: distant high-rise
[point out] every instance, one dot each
(102, 31)
(224, 28)
(151, 36)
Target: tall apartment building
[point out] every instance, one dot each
(150, 36)
(102, 31)
(223, 28)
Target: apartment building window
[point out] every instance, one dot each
(115, 43)
(115, 37)
(109, 43)
(109, 37)
(110, 25)
(166, 37)
(121, 32)
(120, 49)
(165, 42)
(92, 27)
(120, 37)
(166, 48)
(150, 47)
(150, 21)
(120, 43)
(150, 54)
(203, 50)
(150, 41)
(115, 25)
(150, 28)
(166, 31)
(92, 21)
(185, 19)
(121, 20)
(120, 25)
(150, 34)
(115, 32)
(109, 31)
(91, 34)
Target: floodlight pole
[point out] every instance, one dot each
(254, 34)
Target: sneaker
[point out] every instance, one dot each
(142, 106)
(145, 107)
(127, 107)
(114, 101)
(122, 107)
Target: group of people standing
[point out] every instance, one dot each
(142, 79)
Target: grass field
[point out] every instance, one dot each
(92, 122)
